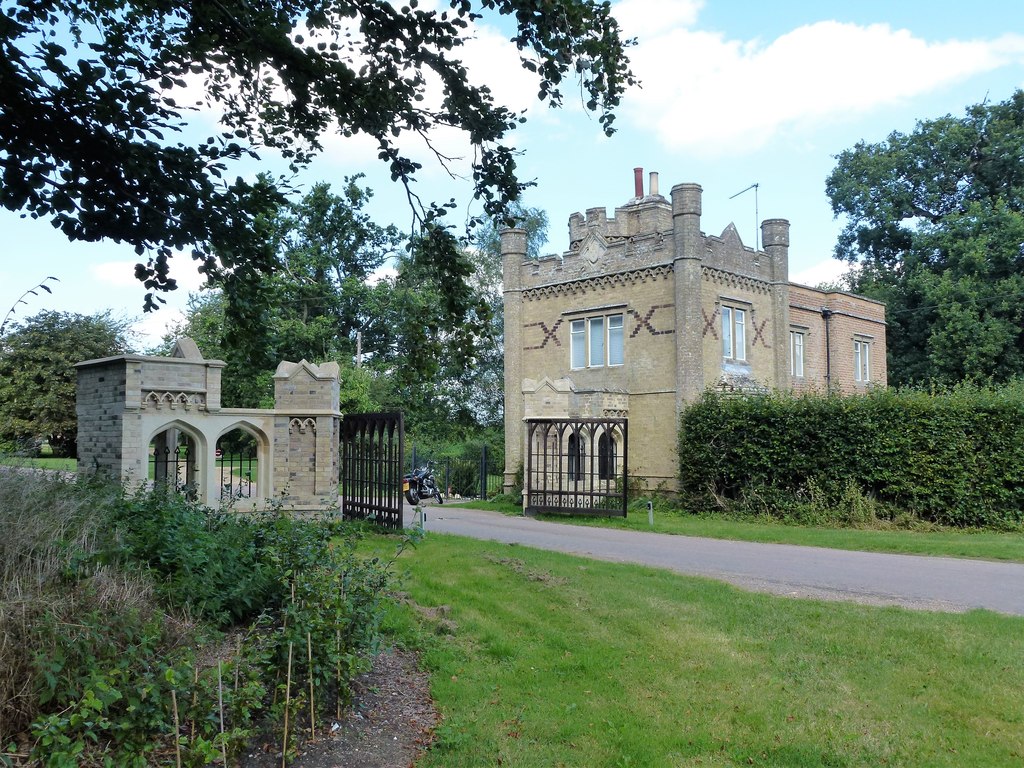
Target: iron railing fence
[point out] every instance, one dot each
(472, 477)
(238, 474)
(171, 466)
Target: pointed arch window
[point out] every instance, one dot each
(575, 456)
(606, 457)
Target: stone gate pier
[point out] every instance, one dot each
(132, 408)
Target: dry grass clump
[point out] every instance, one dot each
(51, 526)
(46, 525)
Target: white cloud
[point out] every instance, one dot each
(644, 18)
(702, 90)
(828, 271)
(151, 327)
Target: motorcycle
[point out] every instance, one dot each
(420, 484)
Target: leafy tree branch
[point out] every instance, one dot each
(92, 136)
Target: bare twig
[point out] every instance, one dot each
(21, 300)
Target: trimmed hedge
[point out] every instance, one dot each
(954, 459)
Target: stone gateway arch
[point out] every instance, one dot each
(133, 407)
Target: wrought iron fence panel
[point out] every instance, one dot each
(172, 466)
(372, 460)
(463, 478)
(238, 472)
(577, 466)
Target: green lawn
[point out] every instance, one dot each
(65, 465)
(947, 542)
(543, 659)
(71, 465)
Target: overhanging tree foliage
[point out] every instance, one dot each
(449, 380)
(92, 136)
(38, 378)
(935, 225)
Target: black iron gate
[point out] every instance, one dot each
(372, 458)
(577, 466)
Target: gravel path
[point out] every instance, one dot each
(389, 726)
(911, 581)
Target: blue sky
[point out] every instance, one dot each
(734, 92)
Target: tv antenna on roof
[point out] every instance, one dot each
(757, 236)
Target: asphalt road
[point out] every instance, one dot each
(926, 583)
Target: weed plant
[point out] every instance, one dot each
(132, 623)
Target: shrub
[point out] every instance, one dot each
(948, 458)
(204, 561)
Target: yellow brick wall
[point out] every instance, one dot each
(829, 360)
(720, 289)
(644, 298)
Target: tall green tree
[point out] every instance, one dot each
(450, 379)
(935, 227)
(38, 378)
(484, 383)
(247, 382)
(446, 376)
(93, 135)
(314, 301)
(328, 247)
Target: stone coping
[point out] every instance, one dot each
(151, 358)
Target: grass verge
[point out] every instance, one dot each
(63, 465)
(543, 659)
(935, 541)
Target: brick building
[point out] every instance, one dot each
(644, 312)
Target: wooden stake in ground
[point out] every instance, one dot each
(220, 706)
(177, 730)
(287, 702)
(284, 630)
(309, 651)
(337, 669)
(195, 695)
(238, 660)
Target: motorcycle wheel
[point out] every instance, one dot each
(412, 496)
